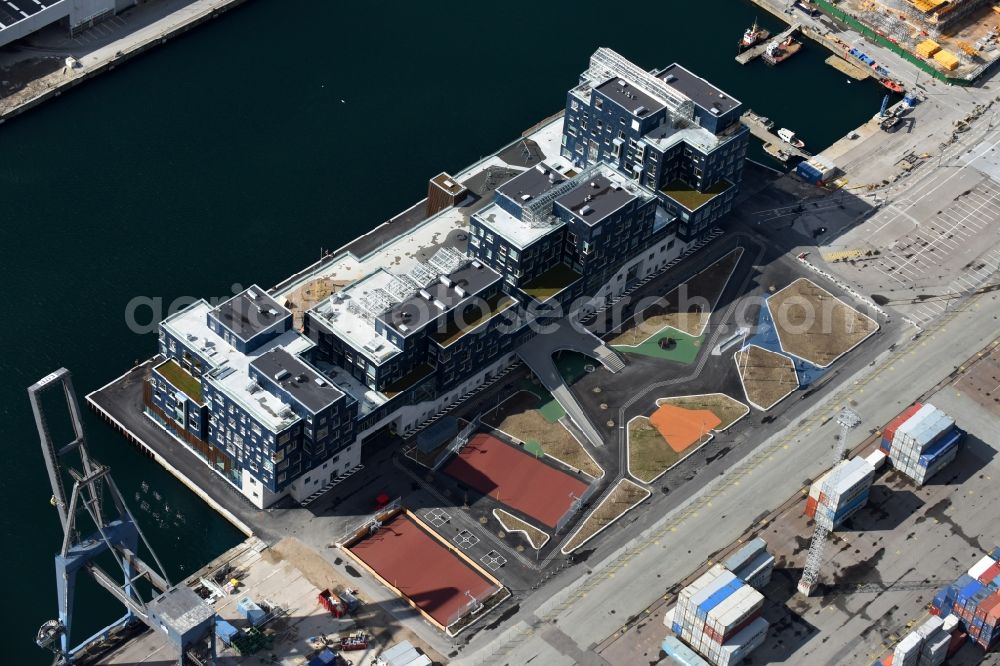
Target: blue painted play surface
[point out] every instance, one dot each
(766, 337)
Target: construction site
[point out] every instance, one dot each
(957, 38)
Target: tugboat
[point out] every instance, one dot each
(780, 52)
(788, 136)
(892, 84)
(753, 35)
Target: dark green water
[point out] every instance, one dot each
(227, 156)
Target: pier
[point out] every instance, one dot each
(758, 50)
(771, 141)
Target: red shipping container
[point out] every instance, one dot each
(888, 660)
(957, 639)
(810, 507)
(990, 574)
(742, 625)
(890, 430)
(991, 608)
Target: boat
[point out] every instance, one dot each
(889, 122)
(788, 136)
(753, 35)
(892, 84)
(781, 51)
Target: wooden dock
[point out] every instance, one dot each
(848, 68)
(771, 141)
(758, 50)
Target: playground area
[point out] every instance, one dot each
(768, 377)
(672, 327)
(446, 587)
(515, 479)
(816, 326)
(533, 417)
(679, 426)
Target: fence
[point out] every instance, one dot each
(369, 524)
(461, 439)
(472, 609)
(575, 507)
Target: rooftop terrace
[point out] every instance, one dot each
(551, 282)
(517, 233)
(472, 317)
(180, 378)
(691, 198)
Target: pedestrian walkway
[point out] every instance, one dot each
(567, 336)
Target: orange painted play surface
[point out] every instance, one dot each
(683, 427)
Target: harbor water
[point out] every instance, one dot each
(236, 153)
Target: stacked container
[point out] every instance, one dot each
(923, 443)
(752, 563)
(718, 615)
(830, 507)
(907, 652)
(890, 430)
(975, 599)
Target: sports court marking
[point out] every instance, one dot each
(437, 517)
(465, 539)
(418, 565)
(515, 478)
(493, 560)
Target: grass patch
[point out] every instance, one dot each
(768, 377)
(649, 455)
(536, 537)
(691, 198)
(815, 325)
(551, 282)
(729, 410)
(181, 379)
(520, 417)
(622, 498)
(685, 350)
(471, 318)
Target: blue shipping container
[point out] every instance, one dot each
(676, 628)
(719, 596)
(681, 653)
(225, 631)
(941, 447)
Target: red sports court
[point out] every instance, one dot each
(422, 569)
(515, 478)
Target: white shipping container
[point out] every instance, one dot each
(668, 617)
(876, 458)
(711, 588)
(932, 624)
(907, 650)
(980, 567)
(950, 623)
(701, 582)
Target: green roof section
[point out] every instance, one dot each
(551, 282)
(408, 380)
(691, 198)
(473, 317)
(181, 379)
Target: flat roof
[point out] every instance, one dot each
(597, 198)
(517, 233)
(420, 309)
(345, 313)
(250, 312)
(448, 183)
(697, 89)
(298, 378)
(227, 369)
(532, 183)
(629, 97)
(691, 198)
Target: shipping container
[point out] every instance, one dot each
(981, 567)
(225, 631)
(681, 653)
(250, 611)
(876, 459)
(907, 651)
(747, 553)
(757, 574)
(990, 576)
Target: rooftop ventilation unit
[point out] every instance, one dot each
(446, 281)
(425, 294)
(373, 345)
(252, 294)
(641, 110)
(716, 110)
(403, 328)
(670, 78)
(302, 378)
(449, 183)
(525, 197)
(585, 210)
(438, 304)
(319, 381)
(459, 291)
(541, 168)
(272, 312)
(192, 337)
(281, 374)
(476, 264)
(622, 82)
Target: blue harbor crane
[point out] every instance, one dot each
(885, 105)
(96, 505)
